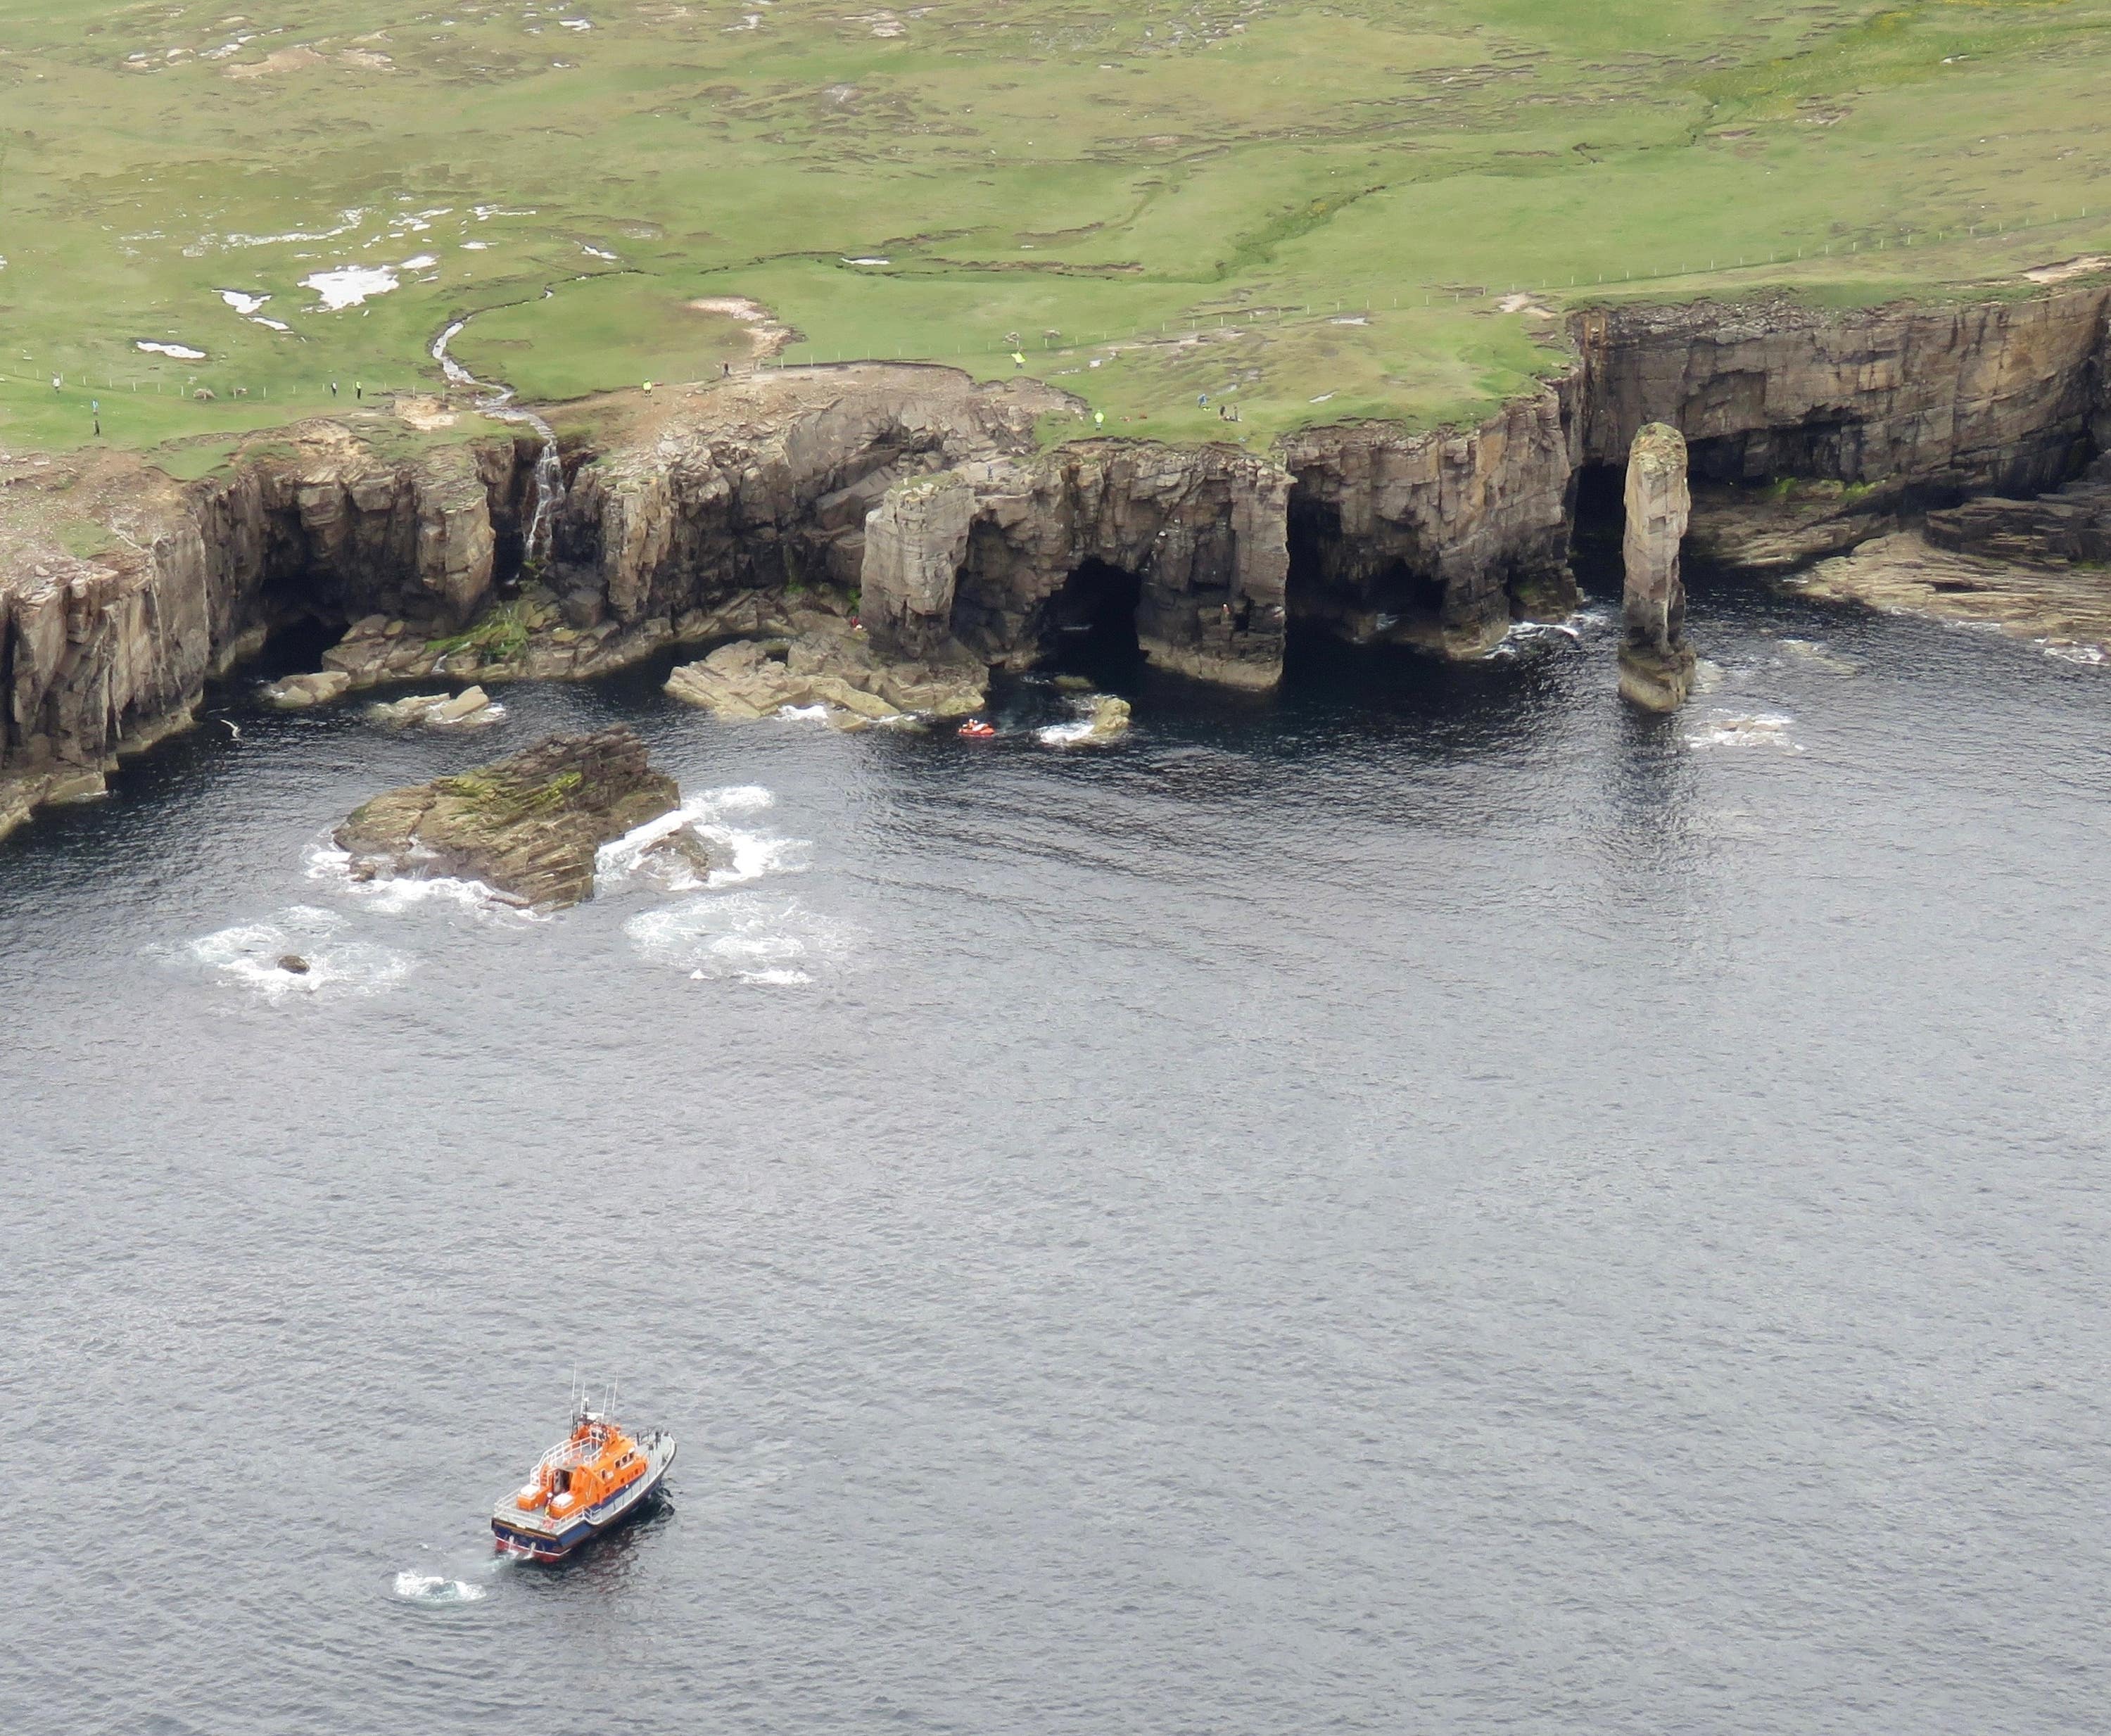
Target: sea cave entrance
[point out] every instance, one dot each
(1358, 595)
(1090, 623)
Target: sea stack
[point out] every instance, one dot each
(1656, 664)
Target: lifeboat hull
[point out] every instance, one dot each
(535, 1535)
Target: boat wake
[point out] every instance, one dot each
(435, 1590)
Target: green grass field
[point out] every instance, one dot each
(1371, 207)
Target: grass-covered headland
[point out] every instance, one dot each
(1306, 211)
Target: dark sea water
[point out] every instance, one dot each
(1422, 1202)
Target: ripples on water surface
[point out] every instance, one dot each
(1424, 1203)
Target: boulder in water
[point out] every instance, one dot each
(527, 826)
(297, 692)
(833, 667)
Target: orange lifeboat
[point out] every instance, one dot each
(591, 1481)
(975, 729)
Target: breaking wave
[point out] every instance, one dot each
(740, 937)
(297, 953)
(739, 854)
(391, 895)
(1766, 729)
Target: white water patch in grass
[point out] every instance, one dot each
(241, 300)
(869, 259)
(181, 352)
(418, 262)
(598, 253)
(476, 247)
(350, 285)
(353, 217)
(270, 325)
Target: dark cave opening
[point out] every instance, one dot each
(1091, 620)
(1337, 591)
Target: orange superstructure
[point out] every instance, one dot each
(581, 1486)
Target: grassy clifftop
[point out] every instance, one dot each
(1375, 206)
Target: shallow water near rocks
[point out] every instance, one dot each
(1422, 1202)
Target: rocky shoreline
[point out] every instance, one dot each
(776, 508)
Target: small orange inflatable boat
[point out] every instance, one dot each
(976, 730)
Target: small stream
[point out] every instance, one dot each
(547, 493)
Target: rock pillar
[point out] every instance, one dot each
(1656, 664)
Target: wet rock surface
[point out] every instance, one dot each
(471, 708)
(2066, 605)
(832, 667)
(528, 826)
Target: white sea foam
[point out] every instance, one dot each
(743, 855)
(743, 937)
(247, 955)
(803, 713)
(1064, 734)
(2065, 652)
(349, 285)
(327, 865)
(435, 1587)
(1766, 729)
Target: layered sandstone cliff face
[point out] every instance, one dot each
(101, 656)
(998, 558)
(930, 494)
(769, 482)
(1986, 397)
(1439, 538)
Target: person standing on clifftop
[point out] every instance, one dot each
(333, 388)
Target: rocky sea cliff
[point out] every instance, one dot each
(930, 506)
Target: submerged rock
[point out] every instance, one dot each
(832, 668)
(294, 965)
(1105, 719)
(528, 826)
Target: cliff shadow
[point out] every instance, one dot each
(1089, 626)
(1358, 592)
